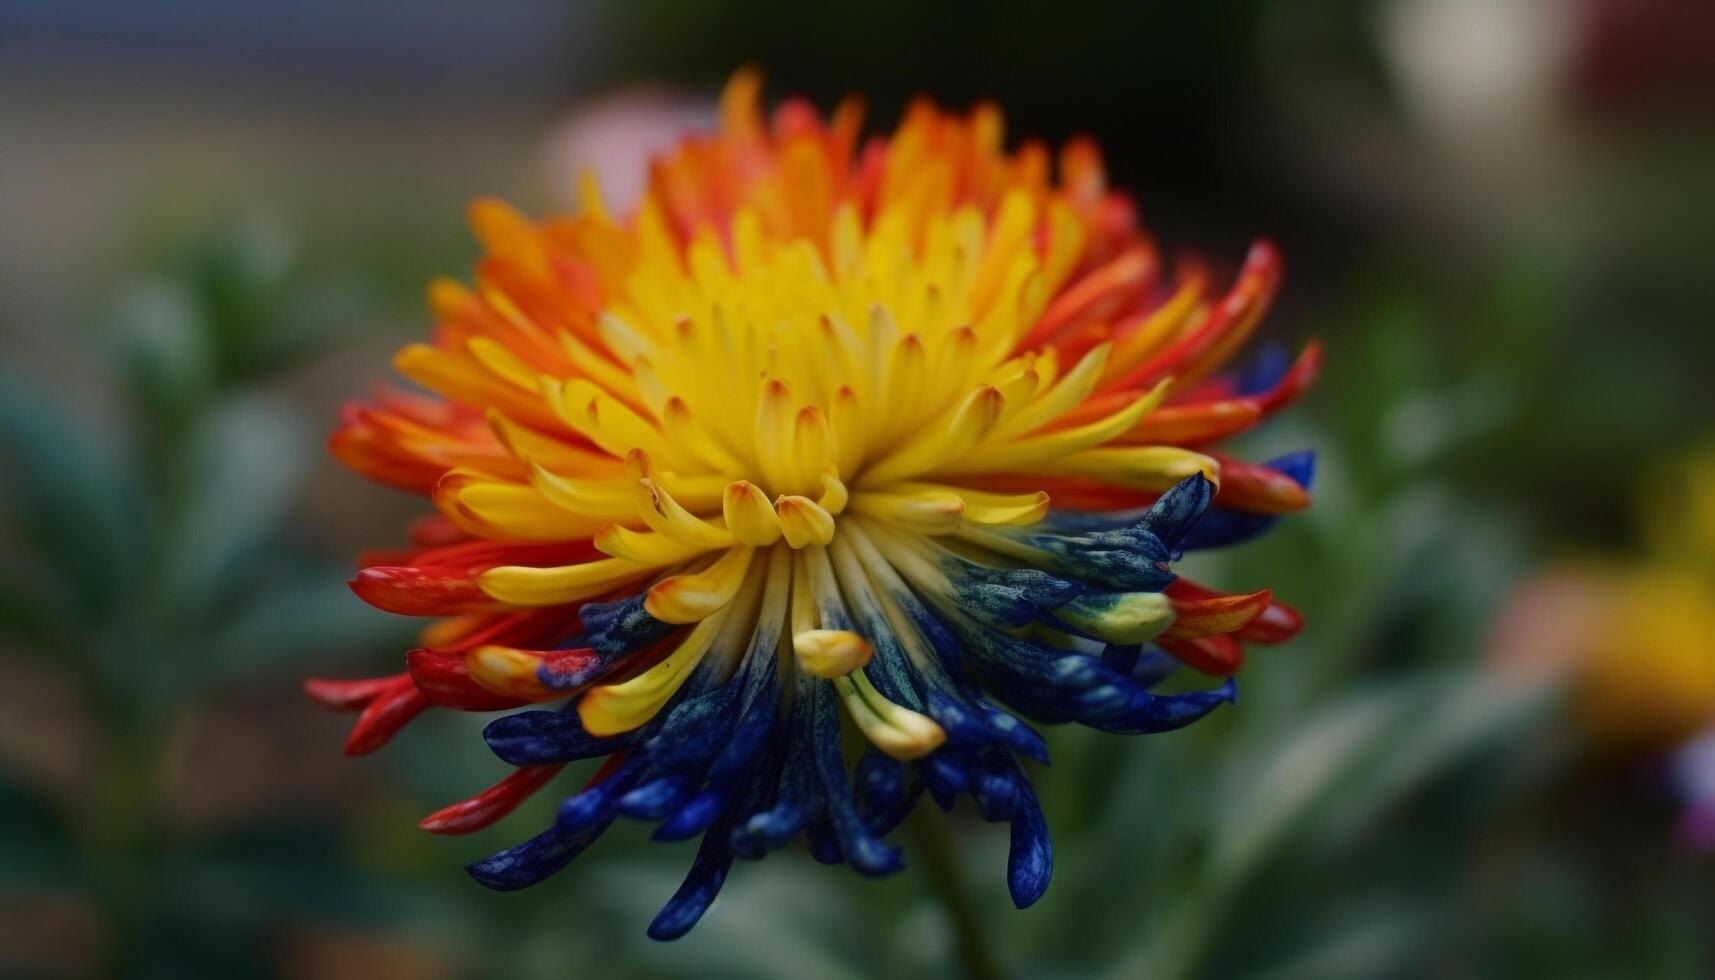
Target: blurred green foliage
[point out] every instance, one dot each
(162, 569)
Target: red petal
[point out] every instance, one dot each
(1218, 656)
(1277, 624)
(1294, 382)
(1215, 615)
(434, 531)
(385, 716)
(445, 680)
(357, 445)
(526, 629)
(1190, 425)
(1097, 292)
(472, 557)
(416, 591)
(492, 803)
(349, 695)
(1258, 489)
(1235, 315)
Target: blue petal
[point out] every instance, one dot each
(708, 873)
(598, 803)
(689, 735)
(996, 792)
(1124, 558)
(1030, 862)
(621, 626)
(795, 801)
(694, 816)
(1265, 370)
(713, 862)
(532, 738)
(1223, 527)
(821, 842)
(1152, 668)
(1007, 597)
(591, 811)
(757, 716)
(971, 722)
(657, 798)
(890, 667)
(559, 677)
(539, 857)
(946, 774)
(1135, 711)
(1174, 513)
(734, 763)
(867, 854)
(880, 785)
(1121, 658)
(1056, 685)
(1300, 466)
(1018, 736)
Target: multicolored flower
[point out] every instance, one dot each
(774, 457)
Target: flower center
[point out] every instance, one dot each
(810, 374)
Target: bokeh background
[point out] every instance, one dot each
(1483, 758)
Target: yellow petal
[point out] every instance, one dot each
(969, 423)
(748, 515)
(525, 586)
(924, 511)
(984, 507)
(693, 597)
(898, 731)
(510, 672)
(1124, 618)
(831, 653)
(645, 548)
(804, 522)
(610, 709)
(1030, 453)
(1143, 467)
(493, 508)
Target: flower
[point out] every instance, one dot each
(778, 450)
(1630, 640)
(1631, 637)
(1649, 674)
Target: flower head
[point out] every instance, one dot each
(901, 433)
(1648, 675)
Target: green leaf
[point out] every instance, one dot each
(241, 474)
(72, 498)
(161, 342)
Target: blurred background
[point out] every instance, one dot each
(1490, 754)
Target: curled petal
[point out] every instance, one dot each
(493, 803)
(1219, 614)
(385, 716)
(350, 695)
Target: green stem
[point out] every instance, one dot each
(119, 836)
(941, 865)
